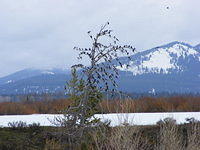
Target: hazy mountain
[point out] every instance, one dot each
(34, 81)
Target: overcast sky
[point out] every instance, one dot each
(42, 33)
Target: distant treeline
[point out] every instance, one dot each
(110, 96)
(144, 104)
(32, 97)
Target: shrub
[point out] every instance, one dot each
(17, 125)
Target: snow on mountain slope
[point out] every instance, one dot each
(48, 72)
(173, 57)
(197, 47)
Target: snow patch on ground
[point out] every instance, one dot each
(116, 119)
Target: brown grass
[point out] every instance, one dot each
(165, 136)
(147, 104)
(38, 107)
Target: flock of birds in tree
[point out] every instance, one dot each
(102, 71)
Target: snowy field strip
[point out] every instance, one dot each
(116, 119)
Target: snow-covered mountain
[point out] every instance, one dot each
(174, 67)
(175, 57)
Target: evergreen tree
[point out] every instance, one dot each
(75, 88)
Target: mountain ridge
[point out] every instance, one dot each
(172, 67)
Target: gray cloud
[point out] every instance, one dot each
(42, 33)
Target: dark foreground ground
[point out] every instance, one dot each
(166, 135)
